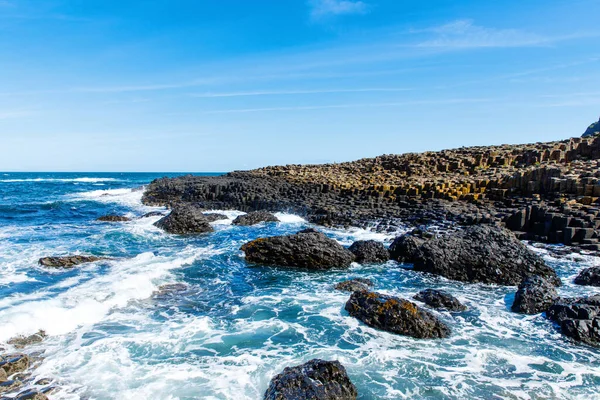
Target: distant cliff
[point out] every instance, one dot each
(593, 129)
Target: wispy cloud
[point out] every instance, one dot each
(320, 9)
(295, 92)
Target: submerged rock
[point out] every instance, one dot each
(405, 248)
(13, 363)
(354, 284)
(316, 379)
(68, 261)
(578, 318)
(481, 253)
(7, 386)
(212, 217)
(369, 252)
(254, 218)
(395, 315)
(589, 277)
(440, 299)
(306, 249)
(185, 219)
(535, 295)
(31, 394)
(113, 218)
(22, 341)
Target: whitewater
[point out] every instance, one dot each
(185, 317)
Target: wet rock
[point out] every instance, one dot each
(9, 386)
(578, 318)
(405, 248)
(31, 394)
(23, 341)
(316, 379)
(254, 218)
(43, 382)
(212, 217)
(306, 249)
(185, 219)
(440, 299)
(481, 253)
(169, 290)
(3, 376)
(68, 261)
(535, 295)
(354, 284)
(13, 363)
(589, 277)
(113, 218)
(153, 214)
(395, 315)
(369, 252)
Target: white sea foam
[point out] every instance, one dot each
(290, 218)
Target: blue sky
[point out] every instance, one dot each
(198, 85)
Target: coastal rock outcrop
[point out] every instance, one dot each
(13, 363)
(535, 295)
(481, 253)
(578, 318)
(31, 394)
(589, 277)
(185, 219)
(113, 218)
(440, 299)
(68, 261)
(255, 217)
(396, 315)
(369, 252)
(593, 129)
(153, 214)
(306, 249)
(20, 342)
(212, 217)
(316, 379)
(405, 248)
(352, 285)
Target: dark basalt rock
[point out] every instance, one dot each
(589, 277)
(535, 295)
(440, 299)
(113, 218)
(405, 248)
(23, 341)
(212, 217)
(316, 379)
(481, 253)
(68, 261)
(13, 363)
(306, 249)
(395, 315)
(369, 252)
(354, 284)
(185, 219)
(254, 218)
(578, 318)
(153, 214)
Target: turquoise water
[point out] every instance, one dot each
(111, 336)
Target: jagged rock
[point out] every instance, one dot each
(405, 248)
(31, 394)
(481, 253)
(354, 284)
(185, 219)
(3, 376)
(535, 295)
(68, 261)
(395, 315)
(593, 129)
(306, 249)
(369, 252)
(212, 217)
(8, 386)
(13, 363)
(316, 379)
(254, 218)
(153, 214)
(113, 218)
(22, 341)
(440, 299)
(589, 277)
(578, 318)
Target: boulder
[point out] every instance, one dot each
(13, 363)
(185, 219)
(254, 218)
(405, 248)
(153, 214)
(31, 394)
(22, 341)
(316, 379)
(578, 318)
(481, 253)
(68, 261)
(113, 218)
(589, 277)
(369, 252)
(306, 249)
(535, 295)
(3, 376)
(354, 284)
(8, 386)
(395, 315)
(212, 217)
(440, 299)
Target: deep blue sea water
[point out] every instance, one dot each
(235, 326)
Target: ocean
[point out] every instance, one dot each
(114, 334)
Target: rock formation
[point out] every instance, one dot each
(578, 318)
(352, 285)
(68, 261)
(440, 299)
(255, 217)
(535, 295)
(113, 218)
(589, 277)
(185, 219)
(369, 252)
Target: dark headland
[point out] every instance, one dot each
(546, 192)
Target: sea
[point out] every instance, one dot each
(221, 328)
